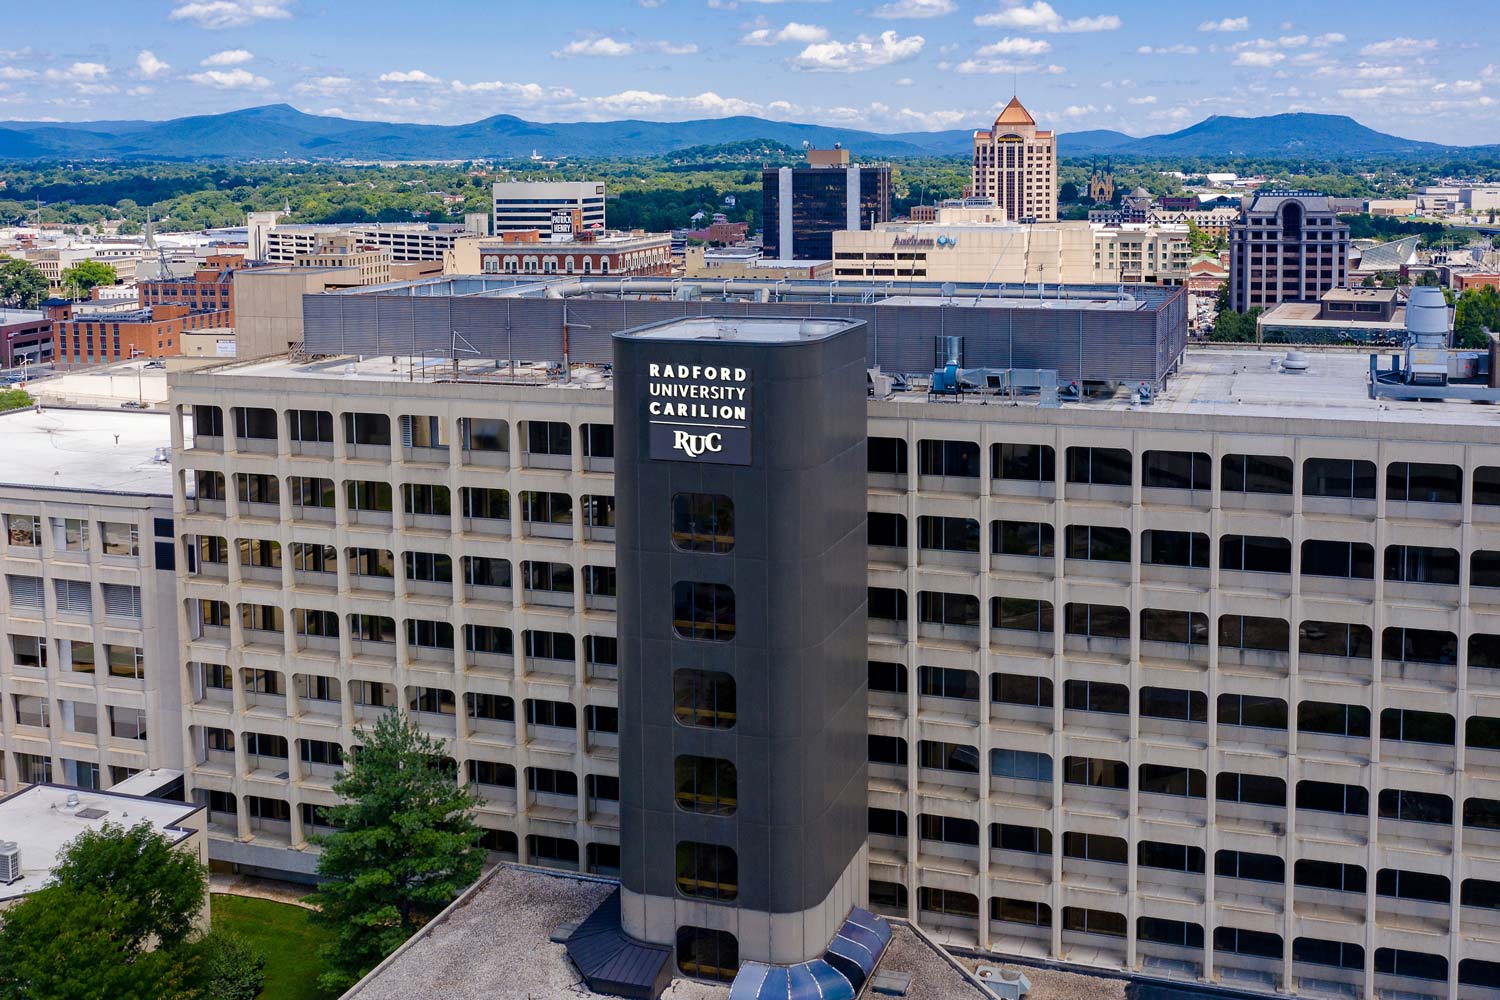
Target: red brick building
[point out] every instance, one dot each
(1467, 281)
(24, 333)
(97, 338)
(210, 289)
(610, 253)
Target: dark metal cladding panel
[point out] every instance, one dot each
(1114, 345)
(799, 652)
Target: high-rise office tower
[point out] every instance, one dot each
(802, 207)
(1288, 246)
(1015, 163)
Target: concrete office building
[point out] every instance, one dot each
(1288, 246)
(406, 242)
(1205, 689)
(1015, 164)
(971, 245)
(529, 205)
(88, 624)
(803, 207)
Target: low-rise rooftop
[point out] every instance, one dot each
(103, 451)
(497, 942)
(42, 819)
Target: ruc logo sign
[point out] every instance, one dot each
(694, 445)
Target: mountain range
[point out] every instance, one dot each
(279, 131)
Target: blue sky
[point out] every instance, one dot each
(888, 65)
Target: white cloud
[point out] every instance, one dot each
(409, 76)
(1168, 50)
(905, 81)
(148, 65)
(1490, 72)
(611, 47)
(861, 54)
(141, 91)
(229, 79)
(79, 72)
(1148, 99)
(1257, 57)
(915, 8)
(214, 14)
(1226, 24)
(14, 73)
(229, 57)
(1325, 40)
(1402, 46)
(793, 31)
(1460, 87)
(1078, 110)
(324, 85)
(1005, 66)
(1016, 47)
(1040, 16)
(601, 46)
(639, 102)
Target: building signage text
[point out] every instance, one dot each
(699, 413)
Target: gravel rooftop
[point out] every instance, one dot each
(1055, 984)
(495, 947)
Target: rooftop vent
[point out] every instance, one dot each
(1004, 982)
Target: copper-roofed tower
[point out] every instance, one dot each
(1015, 163)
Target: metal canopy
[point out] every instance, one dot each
(839, 974)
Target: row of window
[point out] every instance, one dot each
(425, 567)
(482, 434)
(536, 643)
(1191, 549)
(1251, 789)
(1249, 632)
(378, 496)
(1352, 479)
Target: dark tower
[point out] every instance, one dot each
(740, 485)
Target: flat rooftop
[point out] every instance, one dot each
(40, 820)
(1335, 385)
(103, 451)
(496, 943)
(740, 329)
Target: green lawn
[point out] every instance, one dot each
(285, 936)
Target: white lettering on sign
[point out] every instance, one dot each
(698, 412)
(696, 444)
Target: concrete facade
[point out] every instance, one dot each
(1141, 680)
(1015, 163)
(88, 630)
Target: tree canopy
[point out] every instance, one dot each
(118, 921)
(86, 275)
(405, 845)
(22, 284)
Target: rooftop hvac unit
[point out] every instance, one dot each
(1006, 984)
(10, 862)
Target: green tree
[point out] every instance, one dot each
(1068, 192)
(155, 890)
(114, 923)
(86, 275)
(14, 399)
(405, 846)
(228, 968)
(22, 283)
(76, 945)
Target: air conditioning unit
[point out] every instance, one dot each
(1005, 984)
(10, 862)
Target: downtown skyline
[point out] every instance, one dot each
(901, 65)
